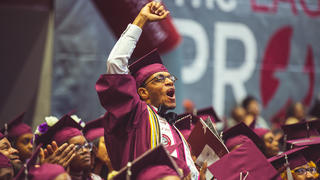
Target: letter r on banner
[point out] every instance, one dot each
(235, 77)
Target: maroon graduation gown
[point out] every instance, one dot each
(127, 127)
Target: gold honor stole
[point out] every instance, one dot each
(155, 131)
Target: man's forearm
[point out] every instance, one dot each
(118, 59)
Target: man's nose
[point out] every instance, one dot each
(14, 151)
(168, 82)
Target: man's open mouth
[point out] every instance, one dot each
(171, 92)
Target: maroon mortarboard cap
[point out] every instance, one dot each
(60, 132)
(241, 129)
(208, 112)
(303, 142)
(146, 66)
(301, 130)
(94, 129)
(185, 123)
(45, 172)
(246, 162)
(261, 131)
(4, 161)
(153, 164)
(23, 172)
(16, 127)
(312, 153)
(295, 158)
(236, 140)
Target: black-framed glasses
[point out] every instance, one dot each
(161, 79)
(87, 145)
(304, 170)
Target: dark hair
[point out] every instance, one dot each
(315, 109)
(247, 101)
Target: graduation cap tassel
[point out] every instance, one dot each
(289, 174)
(245, 176)
(128, 177)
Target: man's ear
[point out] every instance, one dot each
(143, 93)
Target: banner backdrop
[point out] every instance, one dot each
(268, 49)
(230, 49)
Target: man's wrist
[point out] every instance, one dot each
(140, 20)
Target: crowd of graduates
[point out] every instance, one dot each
(139, 137)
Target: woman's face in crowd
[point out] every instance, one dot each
(304, 172)
(271, 143)
(82, 159)
(24, 145)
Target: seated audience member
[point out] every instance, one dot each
(6, 169)
(20, 136)
(94, 132)
(67, 131)
(11, 153)
(294, 165)
(253, 118)
(295, 111)
(188, 106)
(304, 129)
(271, 144)
(314, 111)
(238, 114)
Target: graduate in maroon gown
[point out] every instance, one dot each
(11, 153)
(135, 96)
(20, 136)
(94, 132)
(71, 146)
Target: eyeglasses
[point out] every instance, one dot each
(302, 171)
(85, 146)
(161, 79)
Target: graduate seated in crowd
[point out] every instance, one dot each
(294, 165)
(253, 118)
(94, 133)
(137, 97)
(66, 145)
(238, 115)
(271, 144)
(20, 136)
(295, 113)
(11, 153)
